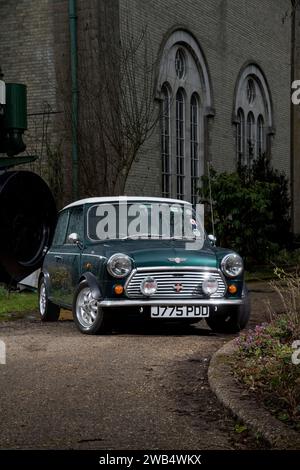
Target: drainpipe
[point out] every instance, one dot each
(74, 113)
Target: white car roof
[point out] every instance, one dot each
(101, 200)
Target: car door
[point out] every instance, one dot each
(66, 258)
(69, 259)
(53, 266)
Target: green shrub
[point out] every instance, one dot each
(251, 209)
(263, 362)
(287, 258)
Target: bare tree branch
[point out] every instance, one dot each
(118, 110)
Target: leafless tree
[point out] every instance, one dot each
(117, 112)
(48, 151)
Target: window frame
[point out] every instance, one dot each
(240, 136)
(251, 90)
(253, 94)
(196, 79)
(251, 137)
(81, 234)
(194, 145)
(180, 110)
(62, 214)
(180, 57)
(260, 136)
(166, 153)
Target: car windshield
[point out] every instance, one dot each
(146, 220)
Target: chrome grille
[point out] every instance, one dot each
(190, 280)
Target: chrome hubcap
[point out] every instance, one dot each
(86, 308)
(43, 299)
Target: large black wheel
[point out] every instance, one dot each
(48, 310)
(28, 217)
(89, 317)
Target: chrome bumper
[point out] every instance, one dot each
(170, 303)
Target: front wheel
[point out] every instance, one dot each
(89, 317)
(48, 310)
(224, 324)
(190, 321)
(233, 320)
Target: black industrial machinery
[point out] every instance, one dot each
(27, 207)
(27, 221)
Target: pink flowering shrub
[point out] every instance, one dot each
(263, 363)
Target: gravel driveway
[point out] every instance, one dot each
(143, 387)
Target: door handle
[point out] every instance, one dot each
(58, 258)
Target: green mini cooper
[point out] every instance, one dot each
(144, 256)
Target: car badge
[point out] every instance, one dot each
(177, 260)
(178, 288)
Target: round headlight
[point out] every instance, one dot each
(210, 286)
(232, 265)
(148, 286)
(119, 265)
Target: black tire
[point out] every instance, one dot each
(224, 324)
(49, 312)
(190, 322)
(27, 223)
(233, 320)
(101, 324)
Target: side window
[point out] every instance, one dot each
(61, 229)
(76, 224)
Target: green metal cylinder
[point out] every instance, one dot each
(15, 116)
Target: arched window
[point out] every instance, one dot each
(183, 67)
(250, 138)
(253, 101)
(194, 120)
(165, 142)
(180, 144)
(180, 63)
(251, 90)
(260, 144)
(240, 137)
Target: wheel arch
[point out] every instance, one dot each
(45, 275)
(93, 283)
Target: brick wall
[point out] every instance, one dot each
(31, 35)
(34, 49)
(231, 33)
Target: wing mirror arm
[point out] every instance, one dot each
(74, 239)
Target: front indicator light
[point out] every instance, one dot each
(118, 289)
(232, 289)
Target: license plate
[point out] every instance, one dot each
(187, 311)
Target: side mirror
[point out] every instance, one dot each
(74, 238)
(212, 239)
